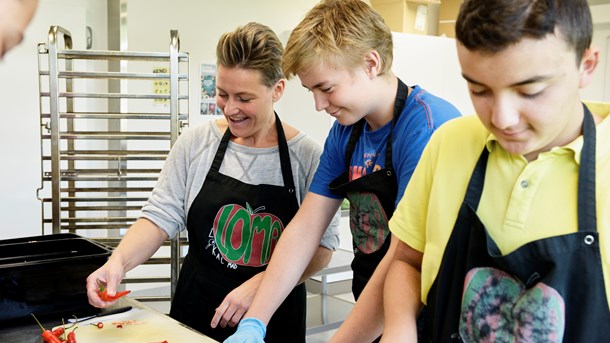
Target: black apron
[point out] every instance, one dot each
(372, 200)
(480, 295)
(233, 228)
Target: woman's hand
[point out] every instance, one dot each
(109, 277)
(236, 303)
(137, 246)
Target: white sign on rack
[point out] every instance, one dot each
(208, 90)
(161, 86)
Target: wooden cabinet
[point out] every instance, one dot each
(409, 16)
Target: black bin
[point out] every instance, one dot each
(46, 275)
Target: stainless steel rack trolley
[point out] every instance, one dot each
(107, 121)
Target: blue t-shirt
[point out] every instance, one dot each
(422, 114)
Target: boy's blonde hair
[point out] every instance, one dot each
(340, 32)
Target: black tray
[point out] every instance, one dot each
(46, 275)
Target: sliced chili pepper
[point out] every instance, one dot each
(103, 294)
(100, 325)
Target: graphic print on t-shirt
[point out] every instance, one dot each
(245, 237)
(496, 307)
(369, 166)
(368, 221)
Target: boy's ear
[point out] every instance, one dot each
(588, 63)
(372, 63)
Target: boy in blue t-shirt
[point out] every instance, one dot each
(342, 53)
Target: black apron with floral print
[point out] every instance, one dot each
(549, 290)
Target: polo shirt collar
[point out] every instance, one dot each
(603, 135)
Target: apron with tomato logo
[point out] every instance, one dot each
(233, 228)
(372, 200)
(549, 290)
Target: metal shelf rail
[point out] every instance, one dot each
(99, 161)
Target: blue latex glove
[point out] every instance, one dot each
(249, 330)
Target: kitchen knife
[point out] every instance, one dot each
(102, 314)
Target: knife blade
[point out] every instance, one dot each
(102, 314)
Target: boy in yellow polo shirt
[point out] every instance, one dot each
(510, 237)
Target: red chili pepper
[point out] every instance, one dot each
(72, 337)
(47, 335)
(59, 331)
(103, 294)
(119, 326)
(100, 325)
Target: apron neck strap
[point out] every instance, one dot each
(402, 92)
(220, 152)
(283, 149)
(351, 143)
(587, 215)
(477, 181)
(284, 155)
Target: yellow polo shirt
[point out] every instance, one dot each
(521, 202)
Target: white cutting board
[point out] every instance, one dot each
(138, 326)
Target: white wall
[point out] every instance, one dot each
(599, 88)
(200, 24)
(19, 112)
(432, 63)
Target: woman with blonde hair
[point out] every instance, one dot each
(233, 184)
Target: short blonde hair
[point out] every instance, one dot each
(253, 46)
(340, 32)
